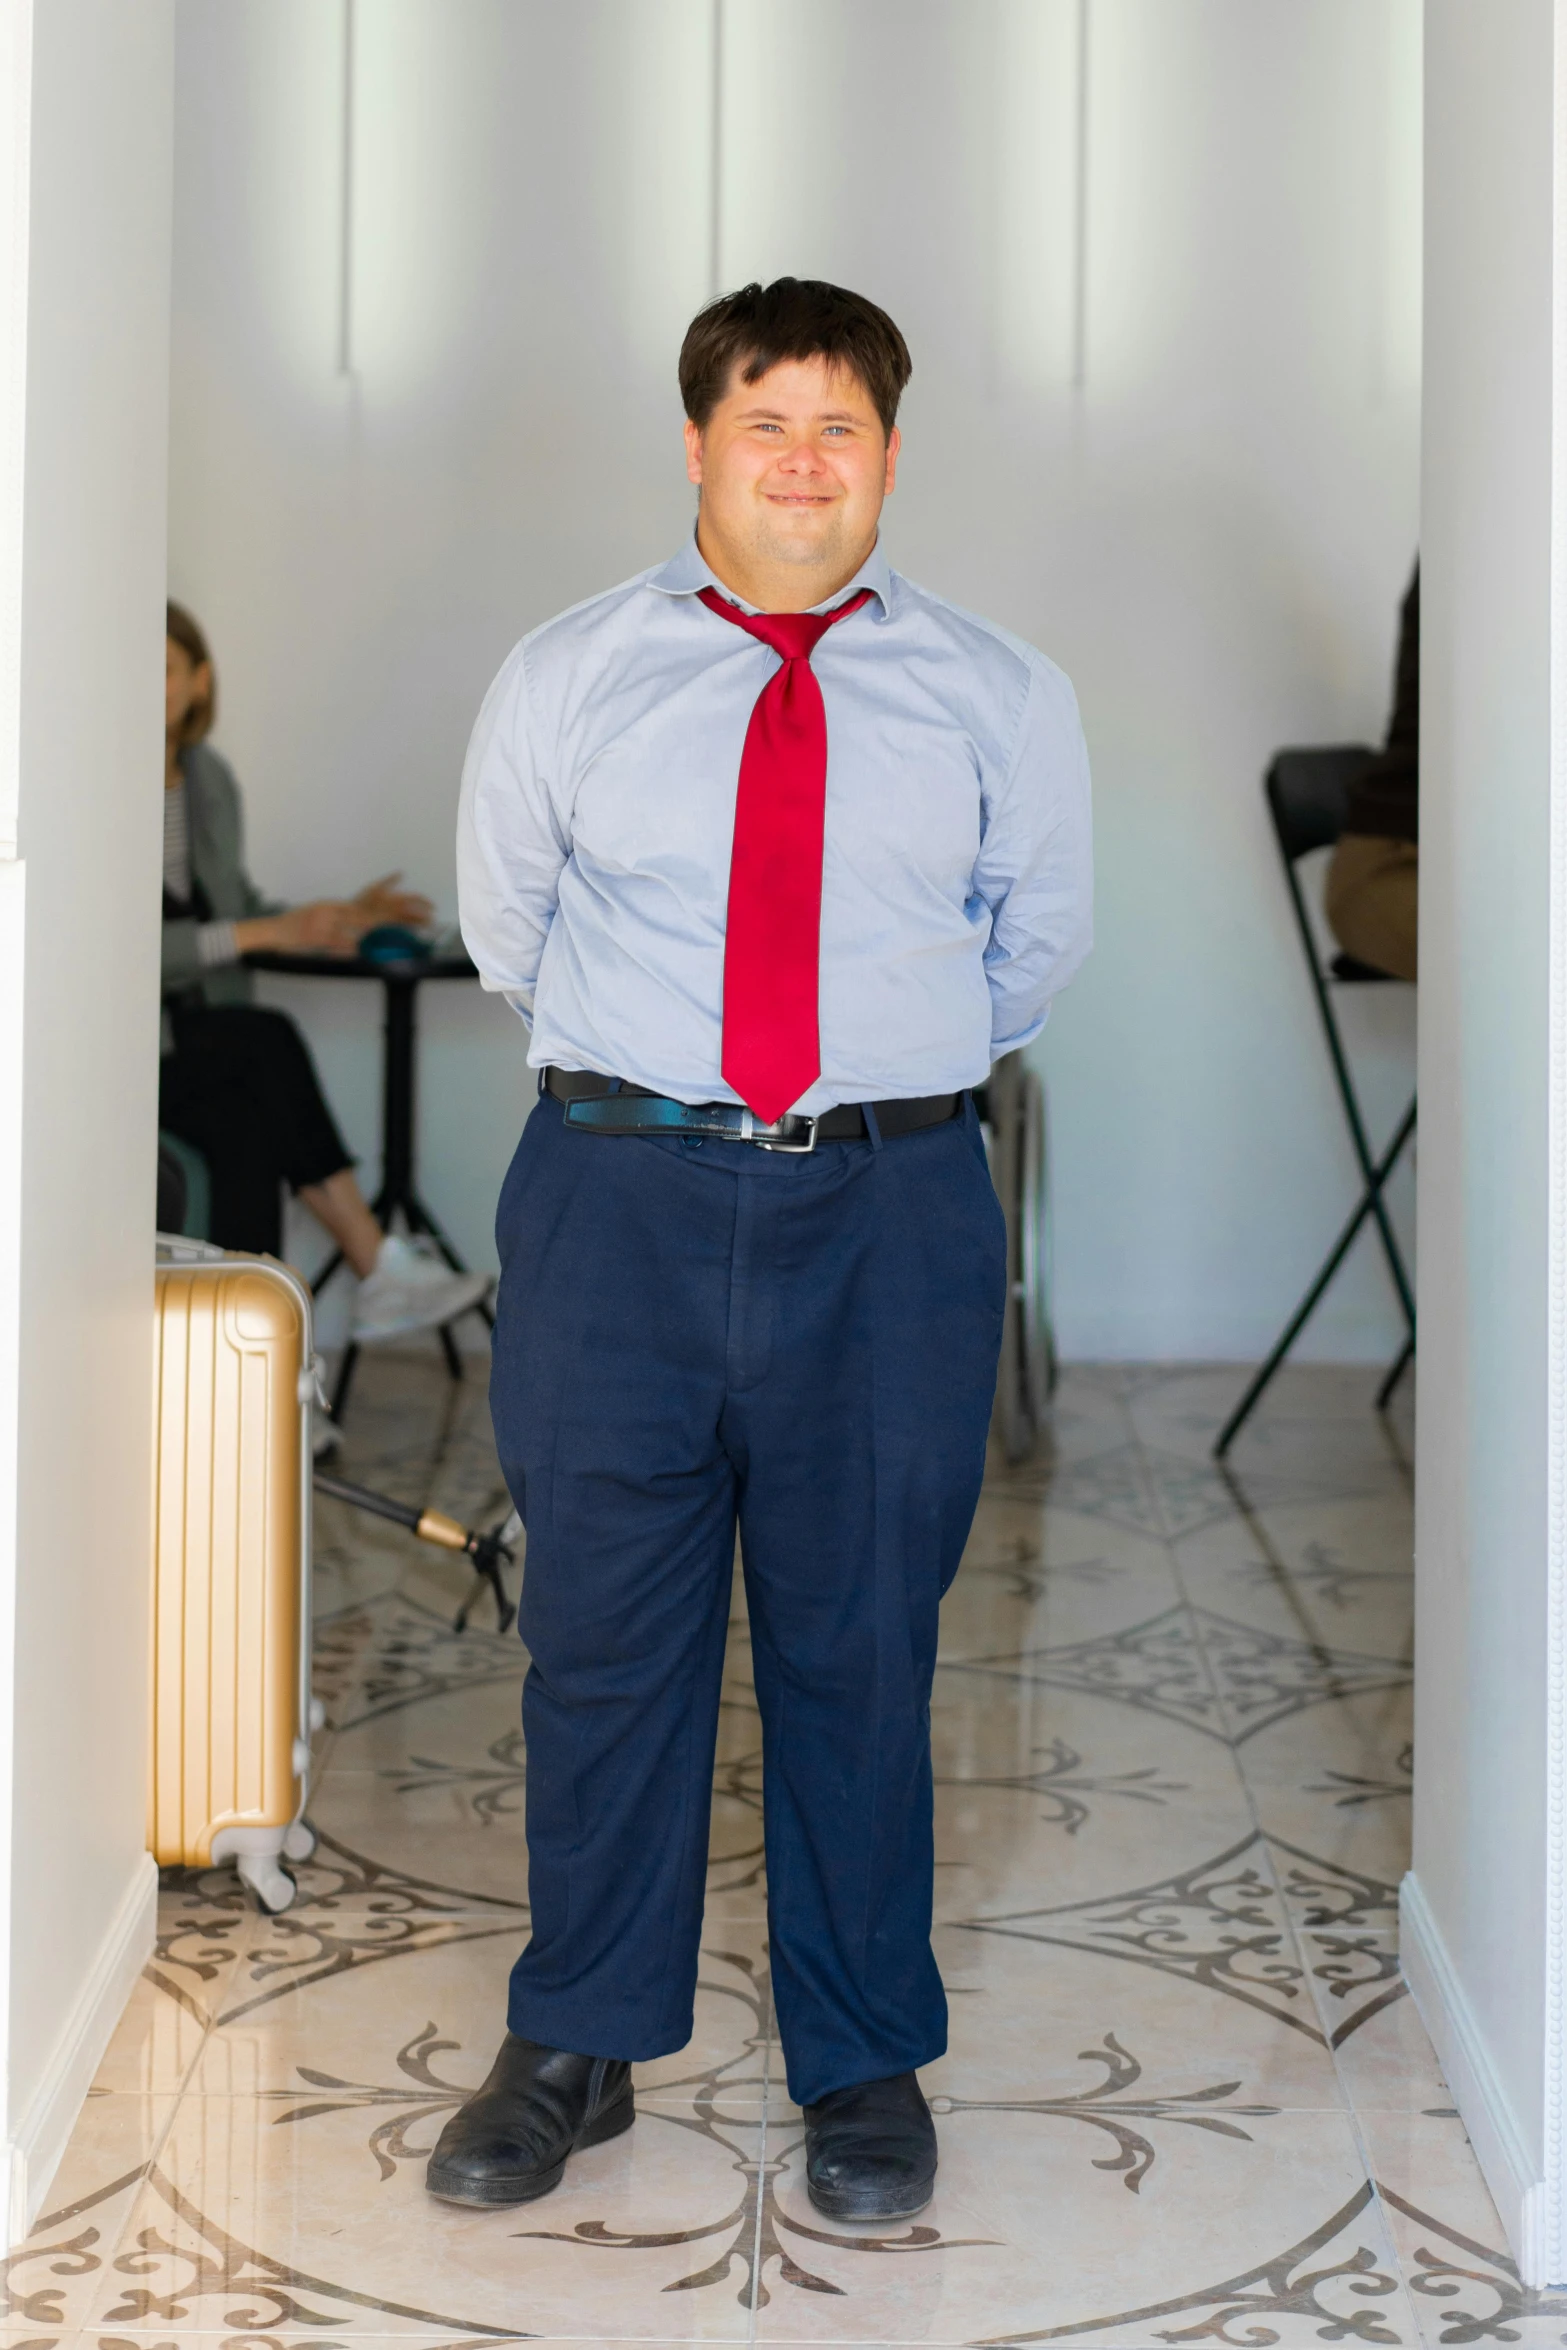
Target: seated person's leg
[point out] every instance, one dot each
(212, 1109)
(284, 1077)
(315, 1161)
(244, 1075)
(1372, 901)
(400, 1288)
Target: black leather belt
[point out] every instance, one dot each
(608, 1105)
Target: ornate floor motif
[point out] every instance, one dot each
(1197, 1667)
(1225, 1926)
(1186, 2098)
(1156, 1492)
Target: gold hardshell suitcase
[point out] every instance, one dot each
(231, 1706)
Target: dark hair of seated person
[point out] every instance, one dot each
(1384, 799)
(186, 631)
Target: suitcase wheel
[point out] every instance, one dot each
(272, 1885)
(299, 1841)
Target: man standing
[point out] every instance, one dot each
(775, 852)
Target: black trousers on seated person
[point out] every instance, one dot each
(241, 1088)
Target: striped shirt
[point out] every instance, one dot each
(215, 941)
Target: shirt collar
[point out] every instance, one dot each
(687, 573)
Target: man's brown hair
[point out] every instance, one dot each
(184, 630)
(793, 318)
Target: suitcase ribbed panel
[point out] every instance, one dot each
(226, 1602)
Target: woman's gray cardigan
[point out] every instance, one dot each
(217, 862)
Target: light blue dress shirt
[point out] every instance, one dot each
(597, 813)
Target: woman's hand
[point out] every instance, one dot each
(383, 901)
(329, 927)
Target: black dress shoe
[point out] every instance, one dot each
(870, 2152)
(510, 2141)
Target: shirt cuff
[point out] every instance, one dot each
(216, 945)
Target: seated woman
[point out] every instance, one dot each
(1373, 885)
(237, 1082)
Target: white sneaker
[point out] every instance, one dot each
(412, 1288)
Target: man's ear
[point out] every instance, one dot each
(894, 444)
(693, 452)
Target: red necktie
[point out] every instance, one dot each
(772, 1046)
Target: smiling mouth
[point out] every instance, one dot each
(800, 498)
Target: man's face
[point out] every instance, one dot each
(794, 467)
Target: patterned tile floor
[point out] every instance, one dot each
(1187, 2098)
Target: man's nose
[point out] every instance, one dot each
(802, 456)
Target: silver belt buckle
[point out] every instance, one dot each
(772, 1138)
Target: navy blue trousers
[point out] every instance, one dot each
(690, 1336)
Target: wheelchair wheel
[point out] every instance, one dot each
(1014, 1109)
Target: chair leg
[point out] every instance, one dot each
(1349, 1099)
(1369, 1202)
(1405, 1356)
(1397, 1271)
(1292, 1330)
(345, 1380)
(1395, 1262)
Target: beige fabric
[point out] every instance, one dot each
(1371, 901)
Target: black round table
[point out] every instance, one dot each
(399, 1192)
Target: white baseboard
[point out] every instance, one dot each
(43, 2130)
(1521, 2196)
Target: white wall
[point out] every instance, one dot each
(1212, 532)
(1482, 1906)
(83, 429)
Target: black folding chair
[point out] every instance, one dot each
(1307, 795)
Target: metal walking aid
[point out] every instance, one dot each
(1012, 1110)
(1307, 793)
(488, 1552)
